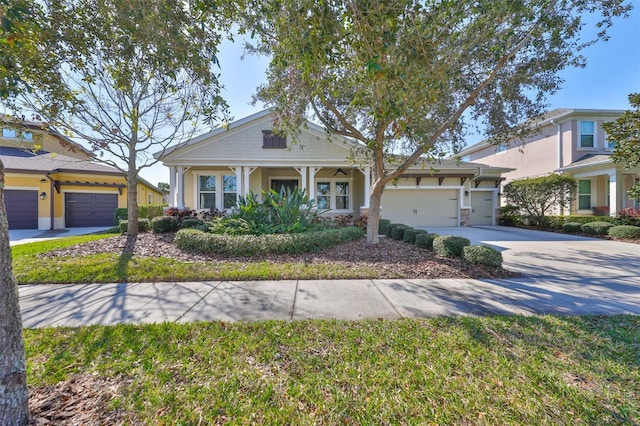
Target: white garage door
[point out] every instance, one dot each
(421, 207)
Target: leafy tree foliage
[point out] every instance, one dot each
(537, 196)
(138, 75)
(626, 132)
(412, 76)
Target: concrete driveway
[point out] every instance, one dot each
(563, 274)
(22, 236)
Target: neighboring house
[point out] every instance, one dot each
(214, 169)
(51, 182)
(569, 141)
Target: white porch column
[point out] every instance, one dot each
(247, 174)
(303, 178)
(180, 188)
(367, 185)
(614, 204)
(312, 182)
(172, 186)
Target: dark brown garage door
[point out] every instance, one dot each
(22, 208)
(82, 210)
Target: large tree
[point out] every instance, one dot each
(411, 76)
(539, 195)
(625, 131)
(18, 39)
(139, 76)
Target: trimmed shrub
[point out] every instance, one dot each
(191, 222)
(390, 228)
(383, 225)
(121, 213)
(596, 228)
(409, 236)
(450, 246)
(482, 255)
(624, 232)
(252, 245)
(148, 211)
(425, 240)
(144, 225)
(397, 233)
(571, 227)
(164, 224)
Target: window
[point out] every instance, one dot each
(323, 195)
(9, 133)
(584, 194)
(587, 134)
(271, 140)
(342, 195)
(333, 194)
(149, 199)
(609, 143)
(229, 191)
(207, 192)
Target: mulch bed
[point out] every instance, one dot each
(391, 258)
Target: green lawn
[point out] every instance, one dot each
(30, 267)
(487, 371)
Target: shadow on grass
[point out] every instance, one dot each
(125, 258)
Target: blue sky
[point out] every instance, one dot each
(612, 72)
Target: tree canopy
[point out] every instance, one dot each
(137, 76)
(537, 196)
(625, 131)
(411, 77)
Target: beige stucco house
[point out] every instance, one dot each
(51, 182)
(568, 141)
(214, 169)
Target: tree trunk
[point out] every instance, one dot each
(132, 202)
(374, 212)
(14, 396)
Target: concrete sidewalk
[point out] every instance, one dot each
(86, 304)
(23, 236)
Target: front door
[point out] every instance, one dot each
(283, 184)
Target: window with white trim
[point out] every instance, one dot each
(584, 195)
(333, 194)
(587, 137)
(229, 191)
(207, 192)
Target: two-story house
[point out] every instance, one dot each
(568, 141)
(52, 182)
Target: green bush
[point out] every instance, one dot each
(144, 225)
(191, 222)
(409, 236)
(482, 255)
(390, 228)
(425, 240)
(383, 225)
(596, 228)
(571, 227)
(252, 245)
(398, 232)
(625, 232)
(164, 224)
(450, 246)
(148, 211)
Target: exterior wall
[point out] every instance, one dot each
(45, 142)
(144, 192)
(245, 145)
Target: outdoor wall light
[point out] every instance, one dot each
(466, 193)
(43, 195)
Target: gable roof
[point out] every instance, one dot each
(237, 126)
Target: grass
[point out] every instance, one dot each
(30, 267)
(500, 370)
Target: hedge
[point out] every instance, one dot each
(148, 211)
(164, 224)
(596, 228)
(425, 240)
(397, 233)
(383, 225)
(251, 245)
(571, 227)
(144, 225)
(482, 255)
(624, 232)
(409, 236)
(450, 246)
